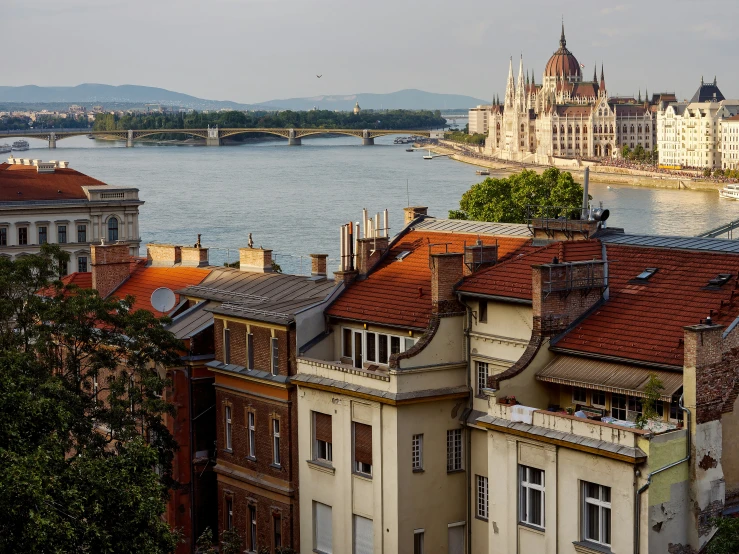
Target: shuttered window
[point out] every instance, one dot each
(322, 528)
(322, 447)
(227, 346)
(275, 357)
(456, 539)
(362, 448)
(363, 539)
(250, 351)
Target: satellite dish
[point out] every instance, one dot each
(163, 299)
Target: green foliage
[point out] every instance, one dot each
(506, 200)
(204, 544)
(465, 137)
(707, 172)
(231, 542)
(79, 463)
(652, 391)
(726, 539)
(276, 267)
(21, 123)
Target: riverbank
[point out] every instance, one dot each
(598, 173)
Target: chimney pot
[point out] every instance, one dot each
(257, 260)
(163, 255)
(194, 256)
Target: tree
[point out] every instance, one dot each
(86, 455)
(652, 392)
(231, 542)
(506, 200)
(726, 539)
(625, 152)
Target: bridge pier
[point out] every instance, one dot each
(52, 140)
(129, 139)
(366, 141)
(291, 141)
(213, 138)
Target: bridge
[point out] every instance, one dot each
(213, 136)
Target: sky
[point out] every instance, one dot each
(257, 50)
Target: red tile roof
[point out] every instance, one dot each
(512, 278)
(398, 293)
(63, 184)
(146, 280)
(81, 279)
(643, 321)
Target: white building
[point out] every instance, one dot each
(47, 202)
(730, 143)
(478, 120)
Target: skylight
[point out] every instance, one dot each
(402, 255)
(720, 280)
(647, 273)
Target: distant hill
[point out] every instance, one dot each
(91, 93)
(409, 99)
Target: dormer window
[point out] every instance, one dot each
(720, 280)
(647, 273)
(402, 255)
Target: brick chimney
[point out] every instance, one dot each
(446, 272)
(554, 302)
(318, 265)
(163, 255)
(257, 260)
(110, 266)
(194, 256)
(369, 252)
(478, 256)
(412, 212)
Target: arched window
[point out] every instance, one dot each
(611, 128)
(632, 128)
(522, 127)
(639, 128)
(562, 129)
(112, 229)
(625, 129)
(569, 129)
(646, 129)
(577, 128)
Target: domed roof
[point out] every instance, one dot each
(562, 61)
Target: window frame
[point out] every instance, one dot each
(226, 344)
(81, 233)
(23, 231)
(361, 468)
(594, 394)
(61, 234)
(576, 400)
(454, 450)
(274, 349)
(482, 311)
(80, 259)
(252, 526)
(4, 236)
(482, 510)
(482, 384)
(417, 452)
(229, 512)
(602, 505)
(276, 529)
(525, 486)
(619, 408)
(250, 351)
(42, 230)
(418, 540)
(315, 527)
(316, 442)
(113, 229)
(251, 434)
(381, 349)
(276, 458)
(228, 427)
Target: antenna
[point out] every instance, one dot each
(163, 299)
(407, 192)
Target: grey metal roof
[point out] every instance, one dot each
(575, 440)
(684, 243)
(473, 227)
(192, 321)
(266, 375)
(279, 313)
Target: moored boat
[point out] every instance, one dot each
(730, 191)
(5, 148)
(20, 145)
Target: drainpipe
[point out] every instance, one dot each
(468, 327)
(645, 486)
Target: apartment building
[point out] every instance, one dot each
(730, 143)
(478, 119)
(48, 202)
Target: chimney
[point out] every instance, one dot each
(110, 266)
(318, 265)
(446, 272)
(194, 256)
(163, 255)
(554, 308)
(369, 252)
(479, 256)
(257, 260)
(412, 212)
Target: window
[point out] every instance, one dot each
(229, 513)
(482, 497)
(647, 273)
(275, 356)
(22, 235)
(382, 343)
(676, 414)
(81, 233)
(618, 406)
(579, 395)
(112, 229)
(482, 376)
(277, 530)
(322, 528)
(251, 434)
(227, 345)
(455, 540)
(417, 455)
(454, 450)
(362, 448)
(531, 496)
(635, 405)
(3, 236)
(598, 398)
(61, 234)
(322, 445)
(418, 541)
(358, 349)
(596, 514)
(363, 540)
(251, 535)
(82, 264)
(249, 351)
(482, 316)
(276, 441)
(228, 427)
(346, 339)
(42, 235)
(371, 347)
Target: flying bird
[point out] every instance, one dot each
(319, 76)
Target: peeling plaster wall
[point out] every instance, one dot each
(730, 460)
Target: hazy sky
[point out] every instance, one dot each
(258, 50)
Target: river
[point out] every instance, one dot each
(293, 199)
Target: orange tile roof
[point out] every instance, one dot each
(63, 184)
(145, 280)
(512, 278)
(644, 320)
(398, 293)
(82, 279)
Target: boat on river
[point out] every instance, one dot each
(483, 172)
(730, 191)
(5, 148)
(21, 145)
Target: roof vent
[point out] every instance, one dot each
(720, 280)
(647, 273)
(402, 255)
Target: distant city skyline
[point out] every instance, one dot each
(254, 51)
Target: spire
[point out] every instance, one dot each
(533, 83)
(602, 79)
(646, 95)
(595, 73)
(520, 87)
(510, 89)
(639, 99)
(527, 79)
(562, 40)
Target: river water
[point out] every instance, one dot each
(293, 199)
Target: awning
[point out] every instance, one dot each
(608, 376)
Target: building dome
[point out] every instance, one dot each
(357, 109)
(563, 62)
